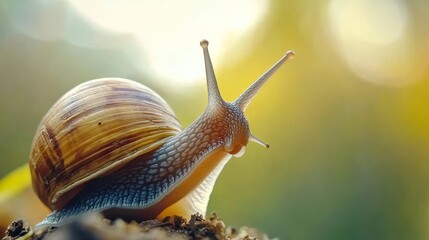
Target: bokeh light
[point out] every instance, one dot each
(374, 39)
(162, 31)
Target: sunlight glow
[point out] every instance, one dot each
(169, 36)
(372, 38)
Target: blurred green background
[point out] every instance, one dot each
(347, 119)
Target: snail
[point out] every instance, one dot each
(113, 145)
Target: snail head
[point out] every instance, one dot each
(231, 115)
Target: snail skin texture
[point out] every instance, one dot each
(112, 145)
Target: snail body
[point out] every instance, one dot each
(113, 145)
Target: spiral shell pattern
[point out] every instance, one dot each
(93, 130)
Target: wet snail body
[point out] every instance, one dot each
(114, 145)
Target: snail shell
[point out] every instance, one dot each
(94, 129)
(114, 145)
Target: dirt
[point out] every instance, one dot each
(96, 227)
